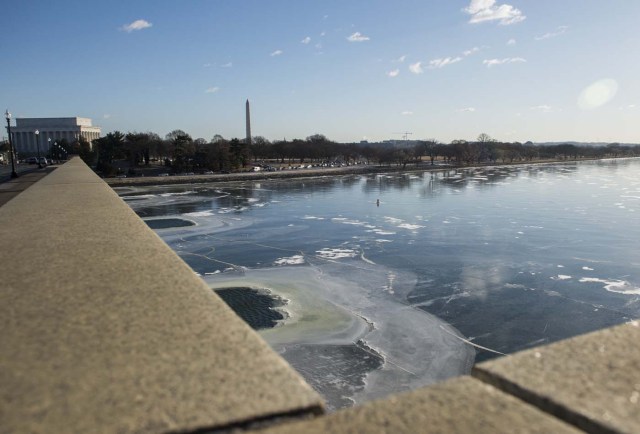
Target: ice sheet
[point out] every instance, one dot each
(614, 285)
(354, 302)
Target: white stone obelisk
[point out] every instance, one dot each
(248, 124)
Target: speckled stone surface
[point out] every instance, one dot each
(461, 405)
(592, 381)
(105, 329)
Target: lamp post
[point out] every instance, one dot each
(50, 148)
(37, 133)
(7, 116)
(60, 149)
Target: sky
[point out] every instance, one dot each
(517, 70)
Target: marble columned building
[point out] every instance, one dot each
(71, 129)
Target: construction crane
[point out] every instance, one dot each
(405, 136)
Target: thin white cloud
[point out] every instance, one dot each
(213, 89)
(306, 40)
(466, 110)
(441, 63)
(393, 73)
(559, 31)
(227, 65)
(401, 59)
(416, 68)
(357, 37)
(106, 116)
(487, 10)
(542, 108)
(276, 53)
(493, 62)
(323, 33)
(318, 46)
(470, 51)
(511, 42)
(207, 65)
(406, 113)
(136, 25)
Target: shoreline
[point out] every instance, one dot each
(318, 172)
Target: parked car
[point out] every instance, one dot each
(32, 160)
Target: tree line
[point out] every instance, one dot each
(180, 153)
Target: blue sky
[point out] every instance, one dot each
(446, 69)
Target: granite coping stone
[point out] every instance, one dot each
(591, 381)
(460, 405)
(106, 329)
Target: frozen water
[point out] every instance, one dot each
(378, 299)
(561, 277)
(342, 304)
(336, 253)
(292, 260)
(613, 285)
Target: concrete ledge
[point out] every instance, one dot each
(461, 405)
(591, 381)
(104, 328)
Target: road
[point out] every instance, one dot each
(5, 170)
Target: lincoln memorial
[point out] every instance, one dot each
(71, 129)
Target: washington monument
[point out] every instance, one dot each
(248, 124)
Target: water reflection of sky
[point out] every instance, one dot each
(511, 257)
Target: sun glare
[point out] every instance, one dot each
(598, 94)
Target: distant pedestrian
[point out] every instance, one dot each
(378, 202)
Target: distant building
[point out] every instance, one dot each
(71, 129)
(400, 143)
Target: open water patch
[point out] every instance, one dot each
(337, 372)
(168, 223)
(255, 307)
